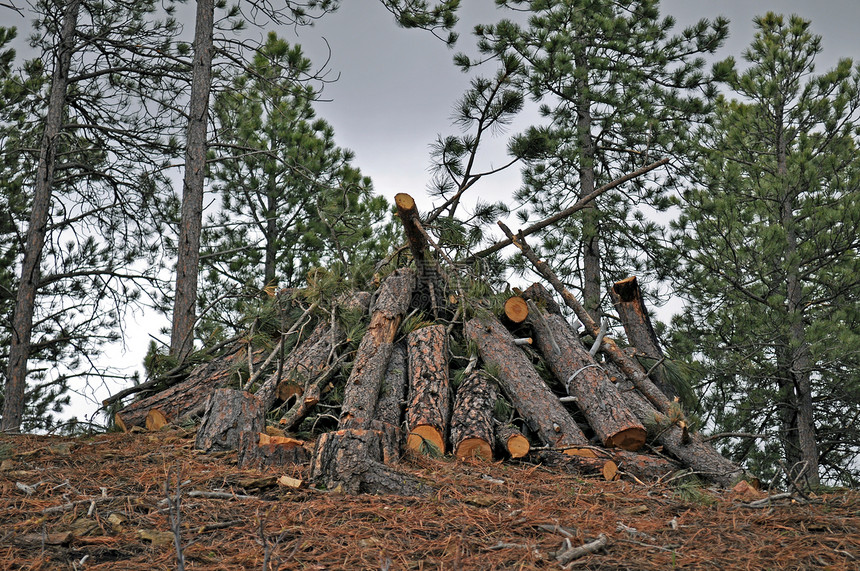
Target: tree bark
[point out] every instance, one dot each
(229, 413)
(472, 433)
(260, 450)
(371, 360)
(429, 409)
(595, 465)
(392, 397)
(430, 289)
(529, 394)
(627, 298)
(188, 260)
(510, 440)
(596, 396)
(186, 399)
(25, 300)
(352, 461)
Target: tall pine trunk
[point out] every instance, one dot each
(590, 238)
(188, 255)
(796, 372)
(25, 302)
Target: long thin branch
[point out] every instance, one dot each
(580, 204)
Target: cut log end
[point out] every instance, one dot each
(518, 446)
(155, 420)
(426, 439)
(610, 471)
(516, 309)
(477, 448)
(404, 201)
(630, 439)
(581, 452)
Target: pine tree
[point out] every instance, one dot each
(290, 198)
(769, 242)
(618, 91)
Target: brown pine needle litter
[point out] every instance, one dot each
(111, 502)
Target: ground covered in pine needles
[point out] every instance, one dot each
(101, 503)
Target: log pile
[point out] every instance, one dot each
(437, 373)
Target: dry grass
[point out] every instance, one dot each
(100, 503)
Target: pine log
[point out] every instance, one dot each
(542, 298)
(583, 378)
(472, 417)
(371, 360)
(229, 413)
(352, 461)
(644, 467)
(187, 399)
(392, 397)
(596, 465)
(689, 448)
(430, 290)
(628, 301)
(429, 409)
(529, 394)
(511, 441)
(262, 451)
(515, 311)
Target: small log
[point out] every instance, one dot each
(186, 399)
(583, 378)
(229, 413)
(262, 451)
(352, 461)
(512, 441)
(643, 467)
(472, 417)
(155, 420)
(628, 301)
(392, 397)
(529, 394)
(516, 311)
(371, 360)
(600, 466)
(429, 409)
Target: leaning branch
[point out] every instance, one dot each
(582, 203)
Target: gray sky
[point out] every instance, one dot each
(397, 87)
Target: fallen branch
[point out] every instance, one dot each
(577, 552)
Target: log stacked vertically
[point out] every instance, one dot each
(472, 427)
(584, 378)
(429, 409)
(371, 360)
(529, 394)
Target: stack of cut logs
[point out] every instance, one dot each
(399, 398)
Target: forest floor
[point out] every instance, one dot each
(101, 503)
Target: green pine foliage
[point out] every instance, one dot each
(768, 241)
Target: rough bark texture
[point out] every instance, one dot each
(472, 417)
(25, 301)
(392, 396)
(688, 448)
(542, 298)
(579, 464)
(371, 361)
(511, 441)
(430, 290)
(229, 413)
(530, 395)
(627, 298)
(186, 400)
(644, 467)
(596, 396)
(429, 409)
(352, 461)
(261, 451)
(188, 247)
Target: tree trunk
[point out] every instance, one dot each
(352, 461)
(472, 423)
(25, 301)
(429, 409)
(188, 254)
(258, 449)
(628, 301)
(371, 360)
(583, 378)
(529, 394)
(430, 289)
(392, 397)
(229, 413)
(184, 400)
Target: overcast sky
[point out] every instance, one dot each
(397, 87)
